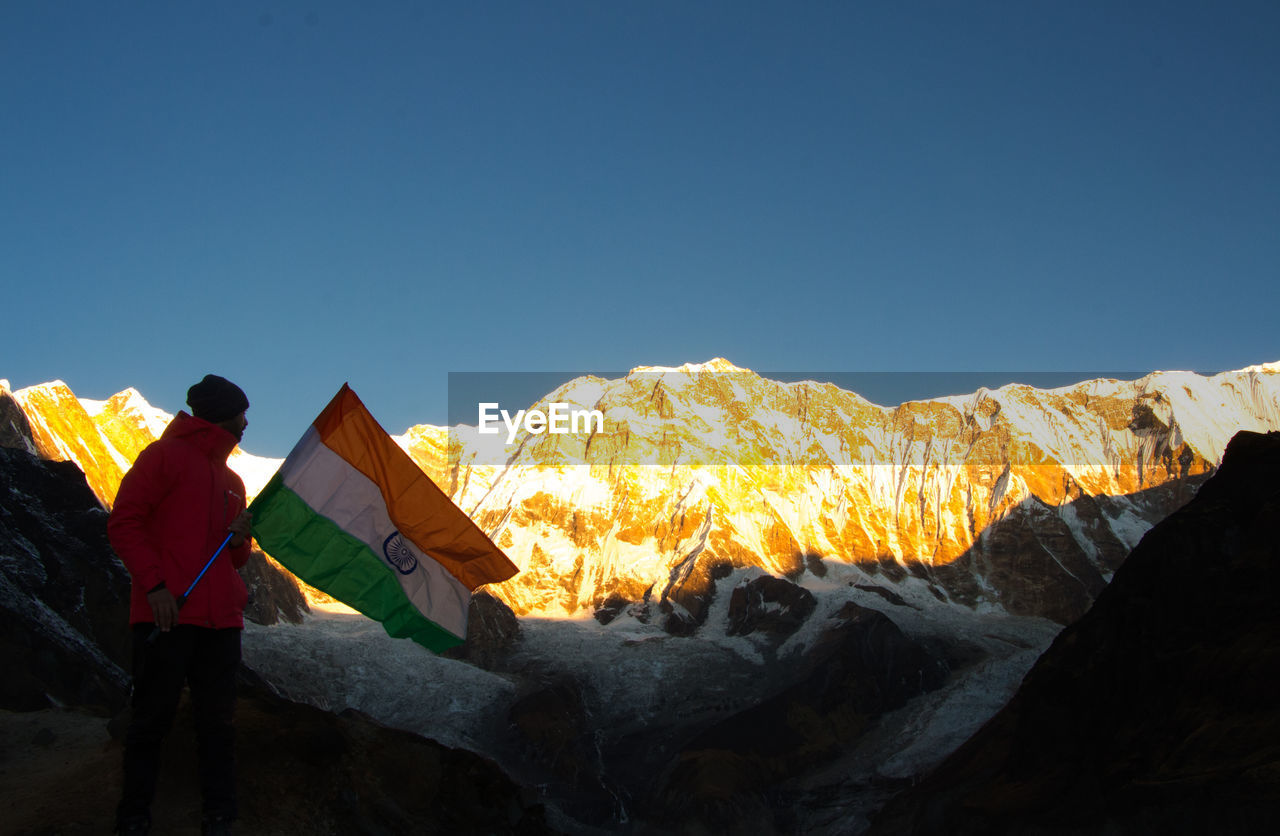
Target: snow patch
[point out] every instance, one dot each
(336, 660)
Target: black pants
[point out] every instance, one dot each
(207, 660)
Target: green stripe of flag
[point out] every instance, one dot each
(315, 549)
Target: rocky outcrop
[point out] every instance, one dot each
(492, 632)
(64, 598)
(64, 595)
(860, 667)
(1154, 713)
(769, 605)
(274, 593)
(15, 429)
(685, 601)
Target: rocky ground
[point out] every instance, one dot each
(302, 771)
(60, 774)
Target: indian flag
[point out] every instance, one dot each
(351, 514)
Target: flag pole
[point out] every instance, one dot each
(182, 599)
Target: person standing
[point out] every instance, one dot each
(175, 507)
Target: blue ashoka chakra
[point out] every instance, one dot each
(399, 554)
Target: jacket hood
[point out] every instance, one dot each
(214, 441)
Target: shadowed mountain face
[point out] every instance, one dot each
(1157, 711)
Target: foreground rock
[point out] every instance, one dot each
(1156, 712)
(301, 771)
(64, 598)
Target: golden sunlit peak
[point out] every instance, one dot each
(716, 364)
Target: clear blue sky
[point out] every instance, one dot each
(295, 195)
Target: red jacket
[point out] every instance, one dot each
(171, 513)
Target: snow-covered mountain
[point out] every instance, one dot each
(1018, 499)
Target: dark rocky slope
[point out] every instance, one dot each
(1156, 712)
(64, 598)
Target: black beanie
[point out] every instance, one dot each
(216, 399)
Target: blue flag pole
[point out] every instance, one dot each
(182, 599)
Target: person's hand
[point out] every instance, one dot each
(242, 528)
(164, 607)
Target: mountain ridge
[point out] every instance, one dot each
(904, 490)
(956, 499)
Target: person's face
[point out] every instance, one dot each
(236, 426)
